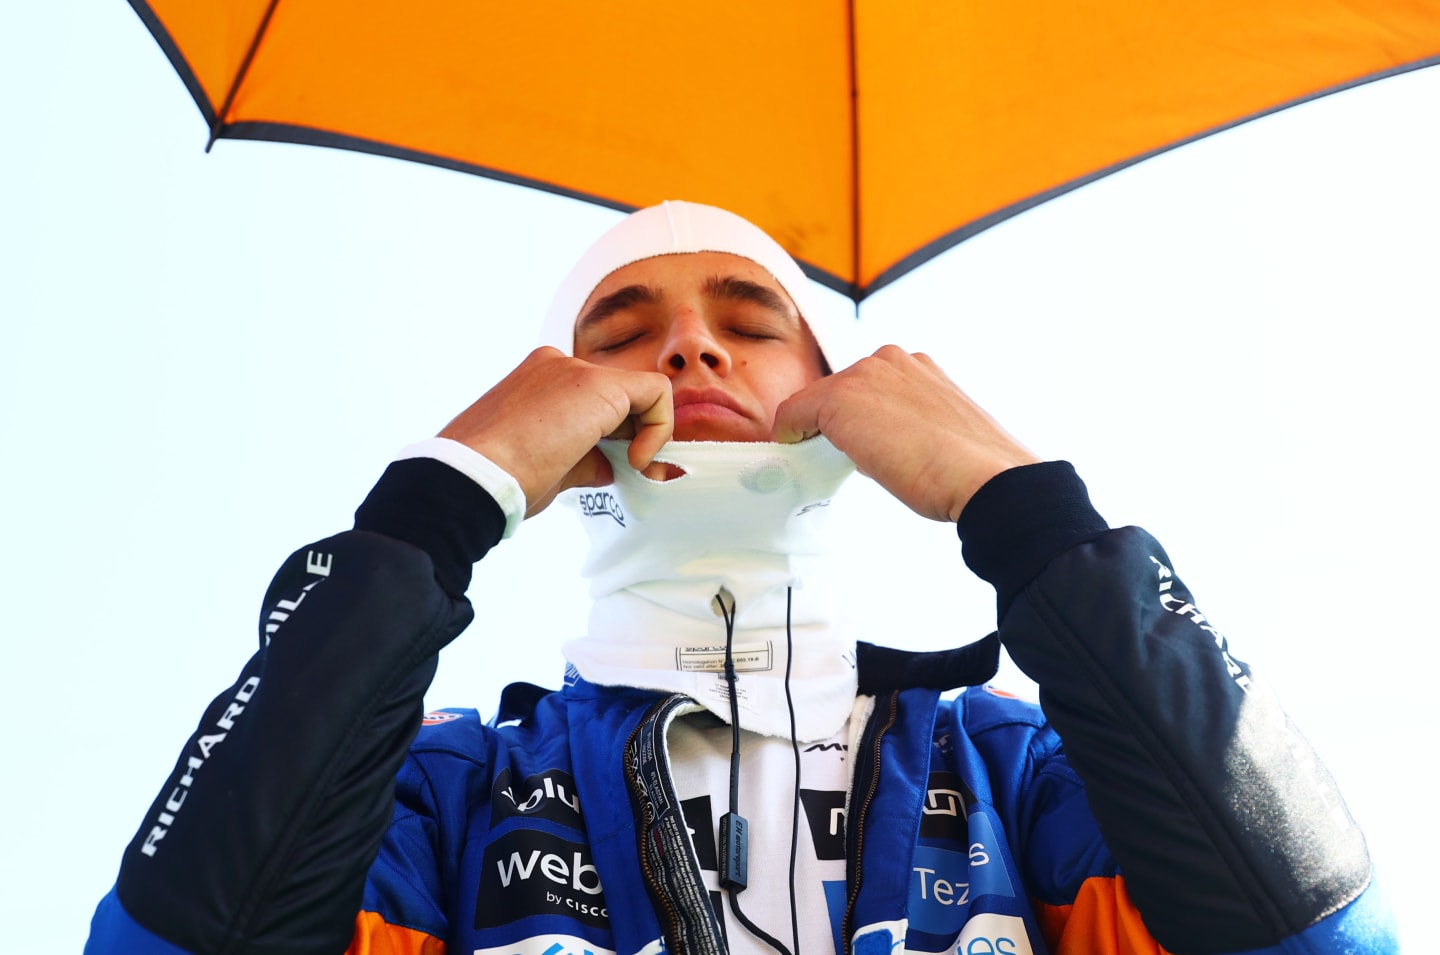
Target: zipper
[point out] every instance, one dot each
(663, 879)
(868, 775)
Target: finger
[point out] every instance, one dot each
(798, 417)
(653, 413)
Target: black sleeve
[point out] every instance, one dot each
(1229, 831)
(261, 838)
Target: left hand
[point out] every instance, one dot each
(907, 426)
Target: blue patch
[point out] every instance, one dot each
(835, 902)
(878, 942)
(944, 883)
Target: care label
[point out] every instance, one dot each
(748, 657)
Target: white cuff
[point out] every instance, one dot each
(496, 481)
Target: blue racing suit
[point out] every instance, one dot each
(1182, 808)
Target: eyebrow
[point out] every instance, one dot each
(627, 297)
(734, 289)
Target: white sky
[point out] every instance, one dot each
(206, 361)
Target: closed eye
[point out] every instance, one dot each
(619, 342)
(756, 334)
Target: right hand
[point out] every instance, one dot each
(908, 426)
(542, 422)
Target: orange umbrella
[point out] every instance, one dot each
(865, 136)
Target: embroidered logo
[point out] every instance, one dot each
(602, 503)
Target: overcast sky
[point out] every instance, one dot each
(208, 359)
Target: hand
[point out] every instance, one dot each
(908, 426)
(542, 421)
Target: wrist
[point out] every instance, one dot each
(495, 480)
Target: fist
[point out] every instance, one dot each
(907, 426)
(542, 421)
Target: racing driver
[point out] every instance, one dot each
(728, 767)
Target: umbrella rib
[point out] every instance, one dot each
(240, 74)
(855, 277)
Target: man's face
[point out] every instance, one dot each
(718, 325)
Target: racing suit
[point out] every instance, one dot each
(1182, 808)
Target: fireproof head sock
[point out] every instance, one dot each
(673, 228)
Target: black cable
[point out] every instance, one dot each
(795, 747)
(734, 830)
(733, 849)
(729, 615)
(755, 930)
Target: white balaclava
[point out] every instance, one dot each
(743, 521)
(673, 228)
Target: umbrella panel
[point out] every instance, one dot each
(964, 113)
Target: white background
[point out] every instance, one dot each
(206, 361)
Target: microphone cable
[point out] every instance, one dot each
(794, 748)
(734, 829)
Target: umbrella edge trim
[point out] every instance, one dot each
(312, 136)
(177, 59)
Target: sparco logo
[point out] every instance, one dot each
(528, 872)
(549, 795)
(597, 503)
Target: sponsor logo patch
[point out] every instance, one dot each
(545, 795)
(991, 934)
(436, 717)
(205, 744)
(700, 820)
(828, 748)
(546, 945)
(825, 812)
(947, 807)
(944, 883)
(528, 872)
(602, 504)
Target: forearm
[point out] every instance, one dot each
(263, 833)
(1229, 831)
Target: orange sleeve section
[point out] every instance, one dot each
(375, 936)
(1101, 919)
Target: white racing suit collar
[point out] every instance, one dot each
(746, 519)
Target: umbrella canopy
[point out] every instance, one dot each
(865, 136)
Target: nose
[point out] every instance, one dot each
(690, 343)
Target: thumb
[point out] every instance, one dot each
(796, 419)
